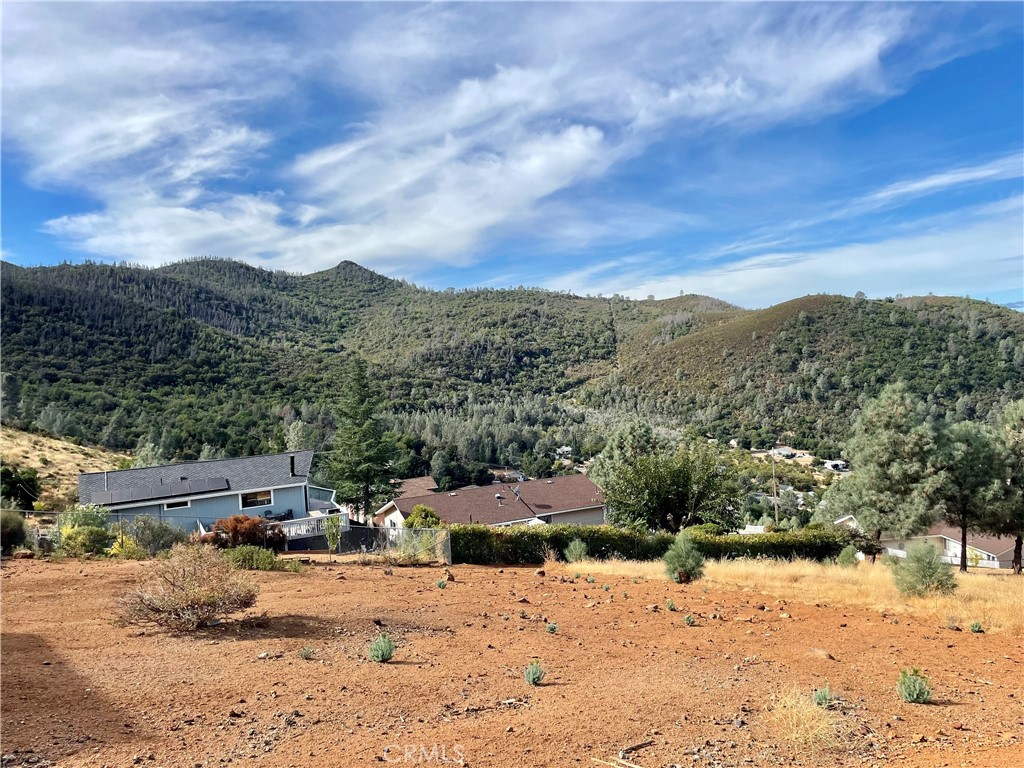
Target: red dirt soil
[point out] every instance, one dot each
(79, 691)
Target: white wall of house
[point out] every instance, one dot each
(593, 516)
(949, 551)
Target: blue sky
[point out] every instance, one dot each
(751, 152)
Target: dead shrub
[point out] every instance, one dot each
(796, 718)
(192, 588)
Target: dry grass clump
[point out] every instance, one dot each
(994, 599)
(192, 588)
(795, 717)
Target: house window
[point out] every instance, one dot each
(184, 504)
(257, 499)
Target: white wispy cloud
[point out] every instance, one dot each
(474, 121)
(971, 251)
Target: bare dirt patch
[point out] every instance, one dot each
(621, 671)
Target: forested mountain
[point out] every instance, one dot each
(217, 356)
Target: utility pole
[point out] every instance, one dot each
(775, 486)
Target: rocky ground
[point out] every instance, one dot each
(622, 672)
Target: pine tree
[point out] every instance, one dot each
(971, 475)
(894, 452)
(359, 462)
(1006, 514)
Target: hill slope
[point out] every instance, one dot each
(218, 353)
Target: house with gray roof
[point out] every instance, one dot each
(198, 493)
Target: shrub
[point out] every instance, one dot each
(534, 673)
(576, 551)
(709, 529)
(192, 588)
(382, 649)
(239, 530)
(798, 718)
(922, 572)
(84, 515)
(84, 540)
(689, 621)
(976, 628)
(154, 535)
(606, 587)
(127, 548)
(422, 516)
(292, 566)
(823, 697)
(442, 583)
(552, 628)
(252, 558)
(914, 687)
(847, 558)
(683, 561)
(13, 530)
(306, 654)
(670, 605)
(590, 579)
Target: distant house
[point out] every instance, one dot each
(415, 486)
(569, 499)
(197, 493)
(836, 465)
(982, 551)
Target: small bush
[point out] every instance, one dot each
(590, 579)
(798, 719)
(84, 540)
(83, 515)
(914, 687)
(423, 516)
(306, 654)
(13, 530)
(683, 561)
(606, 587)
(127, 548)
(193, 587)
(292, 566)
(442, 583)
(576, 551)
(689, 621)
(382, 649)
(239, 530)
(823, 697)
(922, 572)
(669, 605)
(252, 558)
(154, 535)
(576, 575)
(976, 628)
(848, 557)
(552, 628)
(534, 673)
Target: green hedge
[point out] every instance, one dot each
(806, 543)
(520, 544)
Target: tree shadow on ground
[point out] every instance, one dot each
(50, 711)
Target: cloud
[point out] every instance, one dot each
(968, 252)
(456, 125)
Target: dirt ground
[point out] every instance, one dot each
(79, 691)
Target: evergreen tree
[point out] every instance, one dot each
(972, 477)
(894, 452)
(359, 462)
(1005, 516)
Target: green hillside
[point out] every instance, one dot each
(220, 354)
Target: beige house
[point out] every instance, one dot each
(982, 551)
(572, 499)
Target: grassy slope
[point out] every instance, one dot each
(59, 462)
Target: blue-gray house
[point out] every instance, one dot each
(197, 493)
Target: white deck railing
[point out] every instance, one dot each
(307, 527)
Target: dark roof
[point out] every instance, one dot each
(536, 499)
(122, 486)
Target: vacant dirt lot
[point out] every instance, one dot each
(77, 690)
